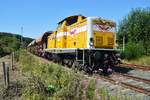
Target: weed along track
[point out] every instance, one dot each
(49, 78)
(118, 79)
(128, 85)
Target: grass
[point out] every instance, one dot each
(49, 81)
(144, 60)
(91, 89)
(66, 83)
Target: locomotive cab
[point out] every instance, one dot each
(101, 33)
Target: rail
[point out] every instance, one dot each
(127, 85)
(142, 67)
(147, 81)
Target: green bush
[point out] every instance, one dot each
(132, 51)
(136, 27)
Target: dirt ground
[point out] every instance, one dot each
(13, 92)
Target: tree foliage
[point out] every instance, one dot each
(132, 51)
(11, 42)
(136, 28)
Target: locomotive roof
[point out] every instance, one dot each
(74, 17)
(47, 33)
(71, 17)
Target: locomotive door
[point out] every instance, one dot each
(65, 40)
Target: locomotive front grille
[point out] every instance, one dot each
(99, 41)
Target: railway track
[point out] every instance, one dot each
(127, 85)
(147, 81)
(141, 67)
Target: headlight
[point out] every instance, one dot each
(91, 42)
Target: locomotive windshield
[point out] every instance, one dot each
(104, 33)
(103, 25)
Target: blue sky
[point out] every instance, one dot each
(38, 16)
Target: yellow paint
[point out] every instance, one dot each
(79, 39)
(104, 39)
(51, 41)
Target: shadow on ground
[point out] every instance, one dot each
(122, 69)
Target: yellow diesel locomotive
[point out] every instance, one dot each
(88, 43)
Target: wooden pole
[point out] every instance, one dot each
(12, 60)
(7, 76)
(4, 72)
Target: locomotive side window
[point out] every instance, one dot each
(71, 21)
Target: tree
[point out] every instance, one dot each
(136, 27)
(11, 42)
